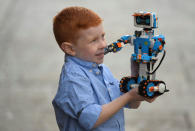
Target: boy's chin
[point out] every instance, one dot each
(99, 61)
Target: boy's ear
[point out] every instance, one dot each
(68, 48)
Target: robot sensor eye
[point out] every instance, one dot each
(148, 21)
(138, 20)
(143, 20)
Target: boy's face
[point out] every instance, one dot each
(90, 44)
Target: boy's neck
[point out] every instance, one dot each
(81, 62)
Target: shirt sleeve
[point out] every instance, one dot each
(76, 98)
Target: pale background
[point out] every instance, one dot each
(30, 62)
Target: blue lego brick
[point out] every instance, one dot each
(126, 37)
(144, 43)
(148, 87)
(155, 21)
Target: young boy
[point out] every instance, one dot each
(88, 97)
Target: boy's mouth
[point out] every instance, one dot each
(101, 54)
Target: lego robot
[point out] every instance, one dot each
(147, 46)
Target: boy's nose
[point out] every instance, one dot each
(103, 44)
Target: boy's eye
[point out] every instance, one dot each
(97, 38)
(94, 40)
(103, 35)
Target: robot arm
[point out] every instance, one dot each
(118, 45)
(158, 46)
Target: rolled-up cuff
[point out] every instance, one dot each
(89, 116)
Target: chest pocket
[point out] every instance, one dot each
(113, 89)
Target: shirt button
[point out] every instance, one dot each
(94, 65)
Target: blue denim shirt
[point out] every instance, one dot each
(83, 88)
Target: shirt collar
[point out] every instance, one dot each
(82, 62)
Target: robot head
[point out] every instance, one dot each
(145, 19)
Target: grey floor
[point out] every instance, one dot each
(31, 62)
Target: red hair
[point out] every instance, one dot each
(70, 21)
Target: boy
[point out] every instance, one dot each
(88, 97)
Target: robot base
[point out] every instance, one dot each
(146, 88)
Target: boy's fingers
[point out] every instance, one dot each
(150, 100)
(135, 94)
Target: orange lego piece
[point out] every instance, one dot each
(119, 45)
(140, 56)
(160, 47)
(151, 89)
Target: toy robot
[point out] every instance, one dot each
(146, 49)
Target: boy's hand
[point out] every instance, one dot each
(136, 97)
(150, 100)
